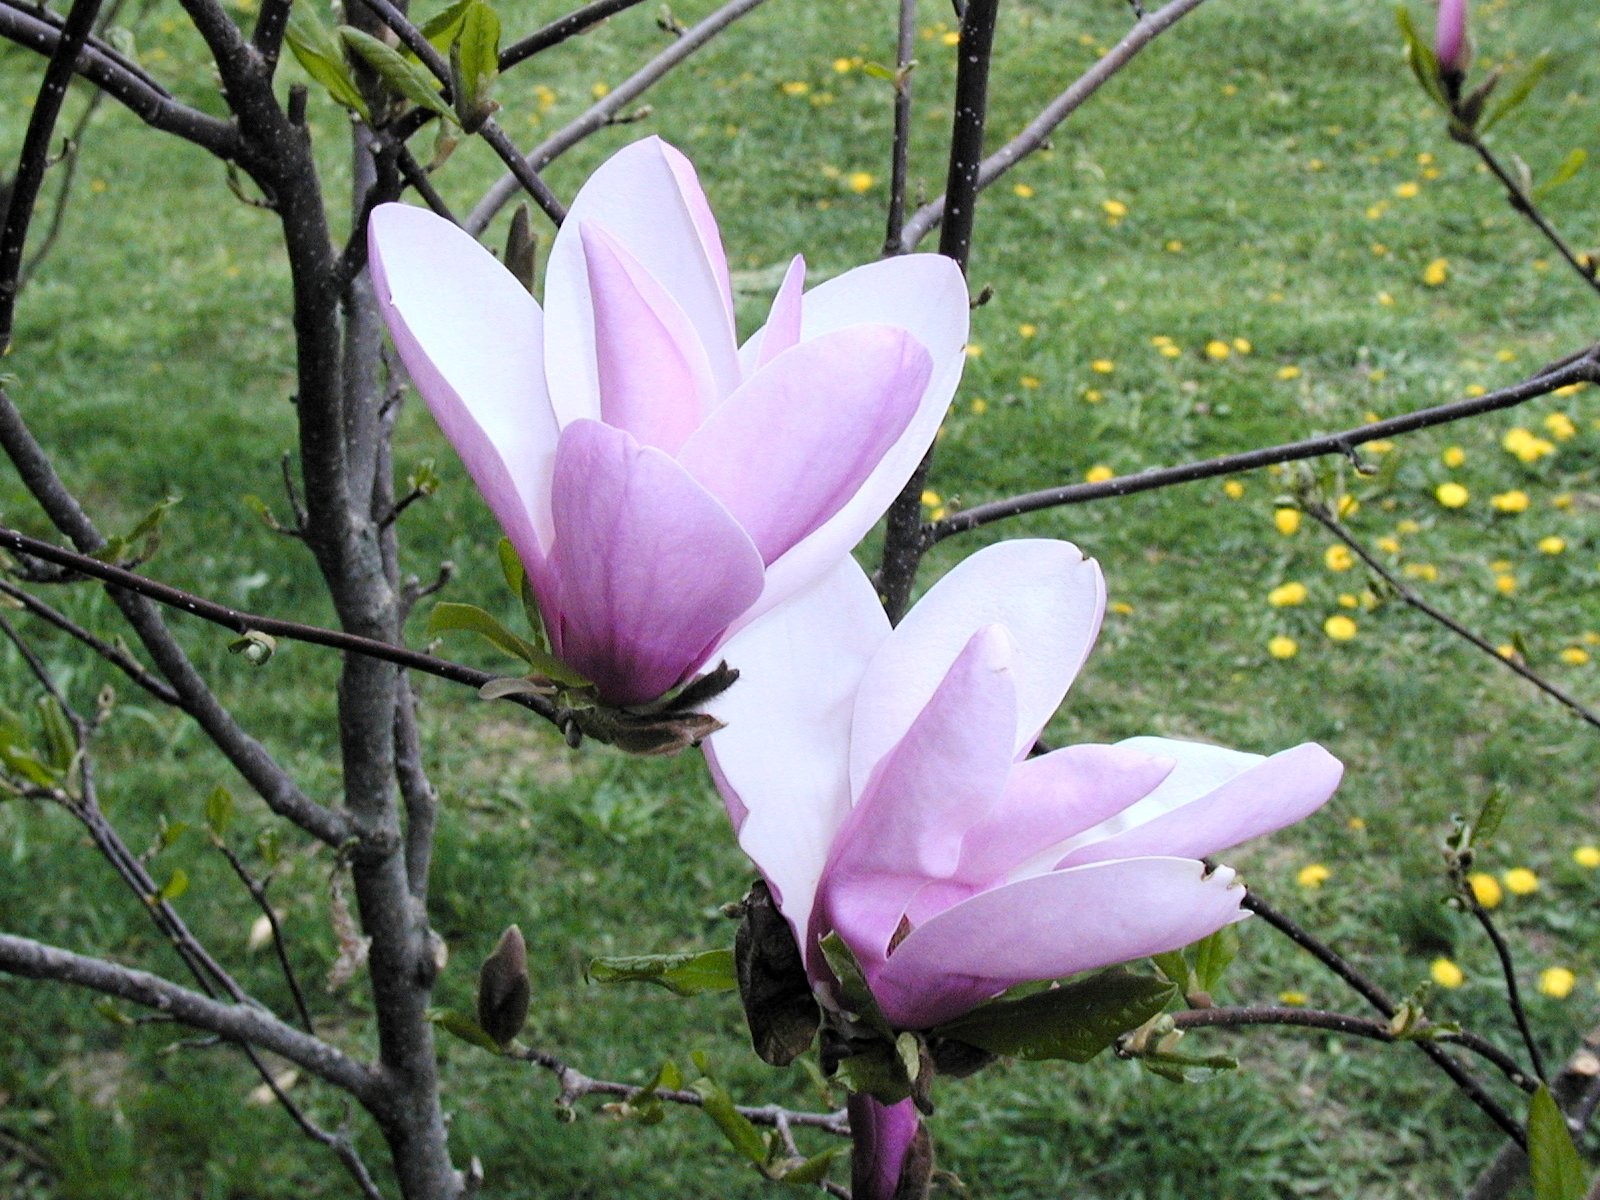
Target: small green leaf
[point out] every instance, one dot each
(1212, 956)
(476, 58)
(808, 1172)
(1174, 966)
(406, 79)
(256, 647)
(61, 747)
(1074, 1022)
(854, 993)
(510, 565)
(318, 52)
(219, 810)
(447, 616)
(1517, 91)
(687, 974)
(1557, 1170)
(1420, 57)
(1570, 166)
(168, 833)
(176, 885)
(463, 1027)
(443, 28)
(1490, 815)
(879, 1070)
(741, 1134)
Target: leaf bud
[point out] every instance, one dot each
(503, 988)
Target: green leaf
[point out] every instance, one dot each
(1074, 1022)
(147, 531)
(463, 1027)
(176, 885)
(219, 810)
(255, 646)
(808, 1172)
(61, 747)
(169, 832)
(318, 52)
(1212, 956)
(1420, 57)
(475, 56)
(853, 992)
(1570, 166)
(687, 974)
(447, 616)
(879, 1070)
(1517, 91)
(741, 1134)
(1490, 815)
(1174, 966)
(443, 28)
(1557, 1170)
(406, 79)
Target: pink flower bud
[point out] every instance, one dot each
(1450, 37)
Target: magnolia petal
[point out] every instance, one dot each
(1214, 798)
(782, 329)
(1045, 593)
(790, 448)
(1053, 797)
(652, 371)
(880, 1138)
(946, 775)
(470, 335)
(780, 762)
(649, 570)
(646, 196)
(926, 295)
(1048, 927)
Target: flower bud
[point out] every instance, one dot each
(1450, 44)
(503, 989)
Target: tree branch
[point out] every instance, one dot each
(1037, 131)
(905, 52)
(579, 20)
(115, 655)
(1581, 367)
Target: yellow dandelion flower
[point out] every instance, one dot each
(1294, 999)
(794, 87)
(1587, 857)
(1102, 366)
(1233, 489)
(1356, 824)
(1339, 627)
(1389, 545)
(1436, 272)
(1446, 974)
(1385, 299)
(1452, 495)
(1174, 246)
(1289, 372)
(1338, 557)
(1160, 339)
(1408, 190)
(842, 65)
(952, 38)
(1426, 572)
(1286, 595)
(1374, 211)
(600, 90)
(1283, 647)
(1520, 881)
(1453, 456)
(1099, 473)
(1557, 982)
(1347, 505)
(1552, 544)
(1023, 191)
(1505, 355)
(1030, 382)
(1028, 330)
(931, 498)
(1506, 584)
(861, 181)
(1093, 395)
(1313, 875)
(1514, 501)
(1560, 426)
(973, 350)
(1379, 249)
(1242, 345)
(1114, 209)
(1286, 521)
(1485, 889)
(1218, 349)
(1506, 650)
(1121, 607)
(1407, 526)
(980, 406)
(1170, 351)
(1574, 656)
(1562, 501)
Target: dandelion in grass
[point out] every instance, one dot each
(1574, 656)
(1452, 456)
(1452, 495)
(1022, 191)
(1407, 190)
(1243, 345)
(1338, 557)
(1312, 875)
(1286, 521)
(1339, 628)
(1030, 382)
(1294, 999)
(1587, 857)
(1283, 647)
(1436, 272)
(1099, 473)
(1520, 881)
(1287, 595)
(1505, 583)
(1525, 445)
(1485, 889)
(1217, 349)
(861, 182)
(1514, 501)
(1389, 545)
(1446, 973)
(1557, 982)
(1027, 330)
(1560, 426)
(1115, 210)
(1102, 366)
(1552, 545)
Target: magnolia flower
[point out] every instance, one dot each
(1450, 37)
(880, 780)
(662, 484)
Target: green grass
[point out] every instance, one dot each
(1262, 145)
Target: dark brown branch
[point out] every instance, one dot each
(1524, 204)
(267, 36)
(1037, 132)
(579, 20)
(242, 622)
(115, 655)
(258, 893)
(905, 50)
(605, 111)
(1508, 969)
(35, 156)
(1581, 367)
(1410, 596)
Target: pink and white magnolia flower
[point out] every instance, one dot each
(880, 780)
(662, 484)
(1450, 37)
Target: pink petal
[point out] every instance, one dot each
(946, 775)
(1048, 927)
(649, 569)
(926, 295)
(647, 198)
(880, 1136)
(780, 763)
(469, 335)
(782, 329)
(788, 450)
(653, 376)
(1049, 799)
(1045, 593)
(1214, 798)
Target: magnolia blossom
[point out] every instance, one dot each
(662, 484)
(1450, 36)
(881, 781)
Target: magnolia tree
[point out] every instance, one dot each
(938, 887)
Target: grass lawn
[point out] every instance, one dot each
(1230, 246)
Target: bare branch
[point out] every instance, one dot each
(579, 20)
(605, 112)
(267, 37)
(238, 1022)
(115, 655)
(1037, 131)
(905, 50)
(1581, 367)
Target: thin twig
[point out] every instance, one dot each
(1037, 132)
(1333, 525)
(258, 893)
(579, 20)
(1513, 993)
(1524, 204)
(899, 159)
(1580, 367)
(115, 655)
